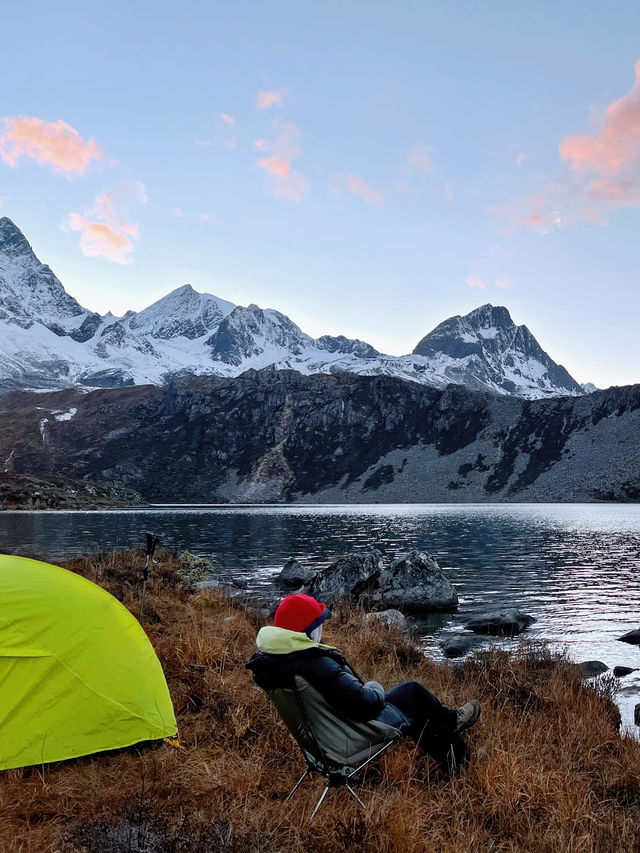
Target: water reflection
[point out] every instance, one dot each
(574, 567)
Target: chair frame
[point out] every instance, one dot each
(334, 778)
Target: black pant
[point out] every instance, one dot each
(431, 725)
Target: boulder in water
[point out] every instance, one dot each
(458, 645)
(632, 637)
(501, 623)
(591, 668)
(621, 671)
(415, 583)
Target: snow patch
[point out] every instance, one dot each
(66, 416)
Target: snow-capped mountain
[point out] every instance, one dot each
(485, 349)
(48, 340)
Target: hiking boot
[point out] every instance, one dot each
(468, 715)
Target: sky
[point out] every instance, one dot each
(367, 168)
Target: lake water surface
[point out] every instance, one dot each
(575, 567)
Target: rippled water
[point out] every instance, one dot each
(575, 567)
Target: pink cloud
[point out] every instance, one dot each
(266, 100)
(275, 166)
(521, 158)
(285, 182)
(55, 144)
(358, 187)
(100, 240)
(111, 238)
(473, 281)
(420, 158)
(227, 119)
(605, 173)
(260, 144)
(617, 146)
(448, 193)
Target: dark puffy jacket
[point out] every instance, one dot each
(326, 670)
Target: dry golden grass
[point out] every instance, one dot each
(550, 772)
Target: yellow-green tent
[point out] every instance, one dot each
(77, 672)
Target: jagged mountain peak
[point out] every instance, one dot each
(31, 293)
(13, 243)
(485, 347)
(184, 312)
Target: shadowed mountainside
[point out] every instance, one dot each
(281, 436)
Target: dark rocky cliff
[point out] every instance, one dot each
(279, 436)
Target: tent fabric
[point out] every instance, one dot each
(77, 672)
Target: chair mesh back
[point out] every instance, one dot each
(326, 738)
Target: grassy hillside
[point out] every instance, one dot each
(550, 773)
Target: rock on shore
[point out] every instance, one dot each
(414, 583)
(294, 574)
(348, 578)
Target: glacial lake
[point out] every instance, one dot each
(574, 567)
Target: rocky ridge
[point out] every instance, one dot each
(279, 436)
(20, 491)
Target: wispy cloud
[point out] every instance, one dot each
(448, 193)
(266, 100)
(227, 119)
(285, 182)
(520, 159)
(420, 158)
(474, 281)
(368, 194)
(504, 282)
(106, 229)
(604, 173)
(55, 144)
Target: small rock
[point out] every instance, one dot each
(457, 645)
(501, 623)
(632, 637)
(294, 574)
(392, 618)
(621, 671)
(590, 668)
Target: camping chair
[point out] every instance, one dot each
(332, 745)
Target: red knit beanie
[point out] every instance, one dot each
(300, 612)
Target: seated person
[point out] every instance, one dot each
(292, 646)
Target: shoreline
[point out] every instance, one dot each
(550, 769)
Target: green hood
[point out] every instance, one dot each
(281, 641)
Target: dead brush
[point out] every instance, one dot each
(550, 772)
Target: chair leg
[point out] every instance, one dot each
(353, 794)
(297, 785)
(319, 803)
